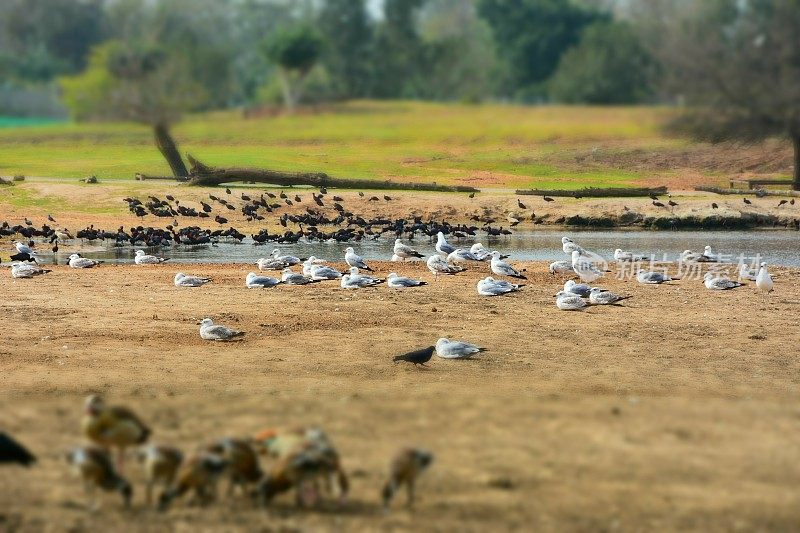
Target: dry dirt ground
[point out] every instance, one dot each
(678, 411)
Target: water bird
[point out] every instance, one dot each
(492, 287)
(442, 246)
(26, 270)
(547, 199)
(160, 464)
(585, 269)
(748, 202)
(404, 251)
(113, 426)
(95, 468)
(520, 204)
(199, 474)
(439, 265)
(561, 267)
(355, 260)
(293, 278)
(598, 296)
(581, 289)
(447, 349)
(142, 258)
(763, 279)
(399, 282)
(501, 268)
(76, 261)
(254, 281)
(622, 255)
(210, 331)
(569, 302)
(719, 283)
(652, 278)
(182, 280)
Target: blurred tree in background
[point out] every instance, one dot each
(296, 51)
(398, 56)
(347, 29)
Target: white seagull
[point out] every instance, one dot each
(26, 270)
(561, 267)
(323, 272)
(652, 278)
(493, 287)
(182, 280)
(24, 248)
(459, 255)
(442, 246)
(501, 268)
(217, 332)
(763, 279)
(270, 263)
(718, 283)
(76, 261)
(355, 260)
(567, 301)
(569, 246)
(623, 255)
(404, 251)
(287, 260)
(746, 273)
(144, 259)
(585, 268)
(447, 349)
(598, 296)
(439, 265)
(293, 278)
(581, 289)
(480, 252)
(399, 282)
(254, 281)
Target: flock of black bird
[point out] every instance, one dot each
(326, 219)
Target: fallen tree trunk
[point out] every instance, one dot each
(594, 192)
(201, 174)
(144, 177)
(748, 192)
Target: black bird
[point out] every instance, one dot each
(283, 195)
(170, 198)
(791, 202)
(672, 204)
(323, 190)
(418, 357)
(658, 204)
(50, 218)
(220, 220)
(548, 199)
(782, 202)
(519, 204)
(714, 206)
(387, 198)
(472, 195)
(361, 194)
(748, 202)
(297, 198)
(653, 197)
(338, 199)
(228, 191)
(13, 452)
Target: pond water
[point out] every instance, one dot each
(779, 247)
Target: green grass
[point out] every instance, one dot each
(491, 145)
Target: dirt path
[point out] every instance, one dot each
(676, 412)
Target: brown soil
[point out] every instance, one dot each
(677, 411)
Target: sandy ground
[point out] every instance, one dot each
(678, 411)
(79, 206)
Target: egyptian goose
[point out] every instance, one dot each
(113, 426)
(161, 464)
(405, 468)
(199, 473)
(95, 468)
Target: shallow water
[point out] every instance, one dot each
(775, 247)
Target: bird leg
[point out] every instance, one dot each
(410, 491)
(121, 459)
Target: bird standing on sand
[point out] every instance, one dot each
(763, 279)
(442, 246)
(95, 468)
(112, 426)
(355, 260)
(160, 465)
(417, 357)
(12, 451)
(217, 332)
(405, 469)
(199, 473)
(501, 268)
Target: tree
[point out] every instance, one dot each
(398, 65)
(609, 66)
(531, 35)
(140, 82)
(737, 65)
(295, 50)
(348, 35)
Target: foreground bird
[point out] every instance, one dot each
(254, 281)
(492, 287)
(567, 301)
(405, 469)
(404, 251)
(447, 349)
(418, 357)
(585, 269)
(242, 462)
(112, 426)
(581, 289)
(142, 258)
(294, 278)
(200, 474)
(439, 265)
(355, 280)
(12, 451)
(561, 267)
(26, 270)
(399, 282)
(598, 296)
(182, 280)
(718, 283)
(442, 246)
(501, 268)
(76, 261)
(95, 468)
(763, 279)
(161, 464)
(217, 332)
(652, 278)
(355, 260)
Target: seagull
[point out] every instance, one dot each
(26, 270)
(404, 251)
(746, 273)
(709, 256)
(322, 272)
(561, 267)
(581, 289)
(418, 357)
(287, 260)
(310, 263)
(719, 283)
(688, 256)
(439, 265)
(598, 296)
(447, 349)
(442, 246)
(622, 255)
(652, 278)
(354, 260)
(763, 279)
(270, 263)
(354, 280)
(217, 332)
(293, 278)
(569, 302)
(569, 246)
(501, 268)
(254, 281)
(480, 252)
(144, 259)
(492, 287)
(24, 248)
(398, 282)
(76, 261)
(182, 280)
(584, 268)
(460, 255)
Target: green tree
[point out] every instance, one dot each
(399, 50)
(737, 66)
(531, 36)
(609, 66)
(142, 83)
(348, 35)
(295, 51)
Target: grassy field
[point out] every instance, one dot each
(490, 145)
